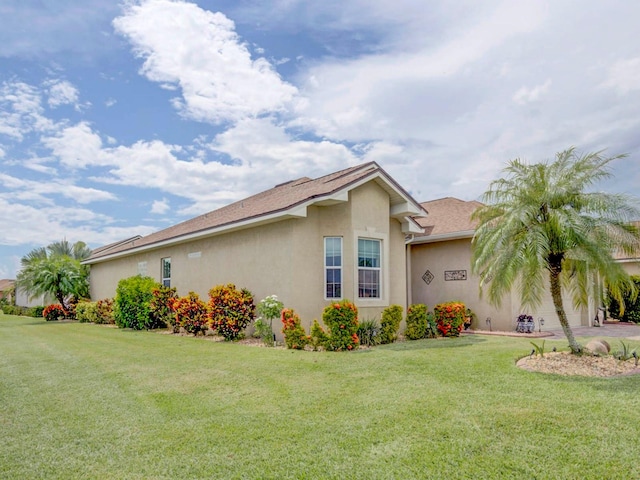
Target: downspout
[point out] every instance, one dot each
(409, 285)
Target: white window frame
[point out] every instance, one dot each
(333, 267)
(166, 281)
(383, 291)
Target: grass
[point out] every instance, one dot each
(89, 401)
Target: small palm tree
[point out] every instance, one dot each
(56, 270)
(542, 219)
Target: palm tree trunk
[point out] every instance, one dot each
(556, 294)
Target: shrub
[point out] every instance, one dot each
(417, 322)
(368, 331)
(631, 305)
(268, 309)
(341, 320)
(36, 311)
(294, 335)
(104, 310)
(131, 306)
(449, 318)
(161, 306)
(87, 312)
(390, 323)
(230, 310)
(190, 313)
(54, 312)
(318, 336)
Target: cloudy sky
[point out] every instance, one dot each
(121, 119)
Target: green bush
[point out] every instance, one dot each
(20, 311)
(390, 324)
(161, 306)
(36, 312)
(132, 303)
(230, 310)
(368, 331)
(631, 306)
(417, 322)
(87, 312)
(104, 309)
(318, 336)
(294, 335)
(341, 320)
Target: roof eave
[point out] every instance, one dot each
(443, 237)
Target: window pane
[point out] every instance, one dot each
(166, 268)
(368, 253)
(333, 262)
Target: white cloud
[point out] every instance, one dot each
(42, 192)
(160, 207)
(527, 95)
(199, 51)
(21, 110)
(42, 224)
(624, 76)
(62, 92)
(110, 102)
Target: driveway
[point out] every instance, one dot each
(622, 330)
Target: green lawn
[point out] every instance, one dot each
(89, 401)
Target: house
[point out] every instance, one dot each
(6, 289)
(309, 241)
(440, 270)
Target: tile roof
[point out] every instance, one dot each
(447, 215)
(280, 199)
(6, 284)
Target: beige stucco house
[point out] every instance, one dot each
(440, 270)
(309, 241)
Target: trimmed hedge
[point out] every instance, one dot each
(132, 303)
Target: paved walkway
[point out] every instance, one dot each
(607, 330)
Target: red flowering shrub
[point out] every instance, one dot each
(294, 335)
(341, 320)
(161, 307)
(54, 312)
(230, 310)
(190, 313)
(450, 318)
(104, 311)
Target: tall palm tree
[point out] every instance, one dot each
(542, 218)
(56, 270)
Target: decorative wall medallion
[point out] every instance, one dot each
(450, 275)
(427, 277)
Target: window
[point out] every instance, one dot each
(368, 268)
(333, 267)
(166, 271)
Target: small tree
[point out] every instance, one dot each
(542, 219)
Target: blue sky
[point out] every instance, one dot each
(121, 119)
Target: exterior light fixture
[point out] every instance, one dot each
(540, 323)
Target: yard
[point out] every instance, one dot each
(89, 401)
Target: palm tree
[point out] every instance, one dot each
(540, 219)
(56, 270)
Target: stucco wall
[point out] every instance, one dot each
(284, 258)
(453, 255)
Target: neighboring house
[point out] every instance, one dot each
(23, 299)
(6, 289)
(309, 241)
(630, 263)
(440, 270)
